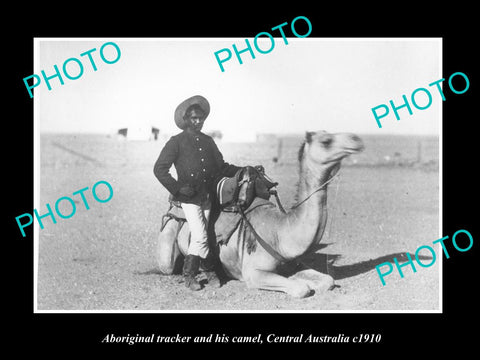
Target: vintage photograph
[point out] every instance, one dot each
(237, 175)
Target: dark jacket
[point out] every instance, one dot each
(198, 163)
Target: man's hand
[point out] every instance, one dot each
(187, 190)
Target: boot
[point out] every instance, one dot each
(190, 269)
(210, 266)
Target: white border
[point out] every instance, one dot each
(36, 172)
(36, 189)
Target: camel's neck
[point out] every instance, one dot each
(306, 223)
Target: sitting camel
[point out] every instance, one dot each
(290, 235)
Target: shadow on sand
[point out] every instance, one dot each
(325, 263)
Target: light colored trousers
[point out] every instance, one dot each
(197, 217)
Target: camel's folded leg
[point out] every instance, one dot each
(315, 280)
(167, 252)
(267, 280)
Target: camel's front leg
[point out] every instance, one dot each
(267, 280)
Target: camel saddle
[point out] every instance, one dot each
(236, 197)
(238, 192)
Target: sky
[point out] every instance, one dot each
(310, 84)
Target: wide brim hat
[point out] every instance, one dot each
(182, 108)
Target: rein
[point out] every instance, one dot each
(304, 200)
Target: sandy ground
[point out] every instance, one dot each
(103, 258)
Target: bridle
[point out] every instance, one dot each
(314, 192)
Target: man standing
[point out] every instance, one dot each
(198, 163)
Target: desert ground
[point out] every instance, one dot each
(384, 204)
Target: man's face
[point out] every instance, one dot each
(196, 120)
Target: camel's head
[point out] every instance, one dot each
(325, 151)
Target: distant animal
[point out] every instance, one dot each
(290, 235)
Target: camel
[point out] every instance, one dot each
(291, 234)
